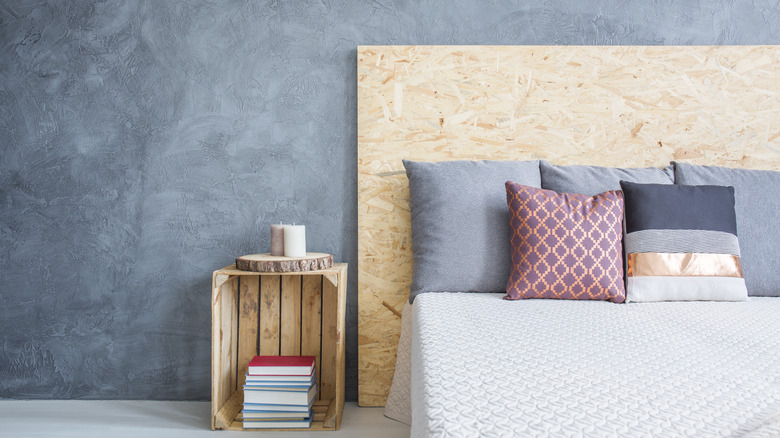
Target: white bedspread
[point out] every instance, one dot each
(482, 366)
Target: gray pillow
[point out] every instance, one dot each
(757, 204)
(460, 223)
(592, 180)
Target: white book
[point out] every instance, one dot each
(281, 397)
(278, 423)
(281, 380)
(265, 407)
(257, 386)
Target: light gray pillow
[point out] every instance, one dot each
(757, 204)
(460, 223)
(592, 180)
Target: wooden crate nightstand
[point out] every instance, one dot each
(273, 313)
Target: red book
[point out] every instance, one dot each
(281, 366)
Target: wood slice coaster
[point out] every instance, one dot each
(265, 262)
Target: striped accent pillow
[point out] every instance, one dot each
(681, 243)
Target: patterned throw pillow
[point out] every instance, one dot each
(681, 243)
(565, 246)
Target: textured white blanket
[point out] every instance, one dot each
(482, 366)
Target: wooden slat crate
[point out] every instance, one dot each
(292, 313)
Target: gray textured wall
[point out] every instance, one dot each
(145, 144)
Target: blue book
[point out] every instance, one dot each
(252, 415)
(278, 423)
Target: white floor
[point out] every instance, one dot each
(115, 419)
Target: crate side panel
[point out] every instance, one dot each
(311, 319)
(231, 333)
(269, 314)
(329, 339)
(249, 304)
(341, 345)
(291, 316)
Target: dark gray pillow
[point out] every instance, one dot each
(757, 204)
(592, 180)
(460, 223)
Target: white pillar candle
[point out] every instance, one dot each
(277, 239)
(294, 241)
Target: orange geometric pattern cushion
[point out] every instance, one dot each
(565, 246)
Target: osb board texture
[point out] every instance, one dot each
(598, 105)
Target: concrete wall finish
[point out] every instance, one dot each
(144, 144)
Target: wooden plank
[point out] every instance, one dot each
(230, 313)
(228, 411)
(330, 339)
(249, 303)
(219, 378)
(341, 318)
(223, 347)
(627, 106)
(220, 279)
(291, 316)
(320, 409)
(330, 419)
(231, 270)
(311, 319)
(270, 301)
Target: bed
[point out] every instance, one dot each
(466, 362)
(568, 368)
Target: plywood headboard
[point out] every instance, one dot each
(598, 105)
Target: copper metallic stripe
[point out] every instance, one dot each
(652, 264)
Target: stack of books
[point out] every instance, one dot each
(279, 392)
